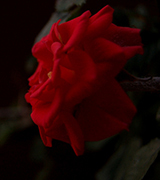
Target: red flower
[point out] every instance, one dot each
(74, 94)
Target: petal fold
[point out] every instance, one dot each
(68, 28)
(108, 56)
(106, 113)
(79, 32)
(123, 36)
(46, 140)
(100, 22)
(75, 133)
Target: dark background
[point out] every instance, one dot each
(21, 21)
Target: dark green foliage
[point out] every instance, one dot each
(63, 5)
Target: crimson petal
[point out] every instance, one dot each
(68, 30)
(123, 36)
(86, 74)
(100, 22)
(41, 52)
(106, 113)
(106, 54)
(44, 113)
(57, 130)
(74, 132)
(79, 31)
(46, 140)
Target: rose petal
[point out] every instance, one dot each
(69, 30)
(83, 65)
(74, 132)
(44, 113)
(79, 31)
(96, 123)
(68, 75)
(106, 113)
(46, 96)
(57, 130)
(115, 101)
(46, 140)
(131, 51)
(104, 11)
(40, 90)
(123, 36)
(100, 22)
(86, 74)
(56, 49)
(41, 52)
(67, 129)
(52, 37)
(34, 79)
(106, 55)
(65, 62)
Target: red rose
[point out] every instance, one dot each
(74, 94)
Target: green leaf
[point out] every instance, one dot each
(63, 5)
(131, 147)
(142, 160)
(116, 166)
(130, 161)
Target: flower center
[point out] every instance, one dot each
(49, 74)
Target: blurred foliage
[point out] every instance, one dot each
(129, 155)
(130, 162)
(63, 5)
